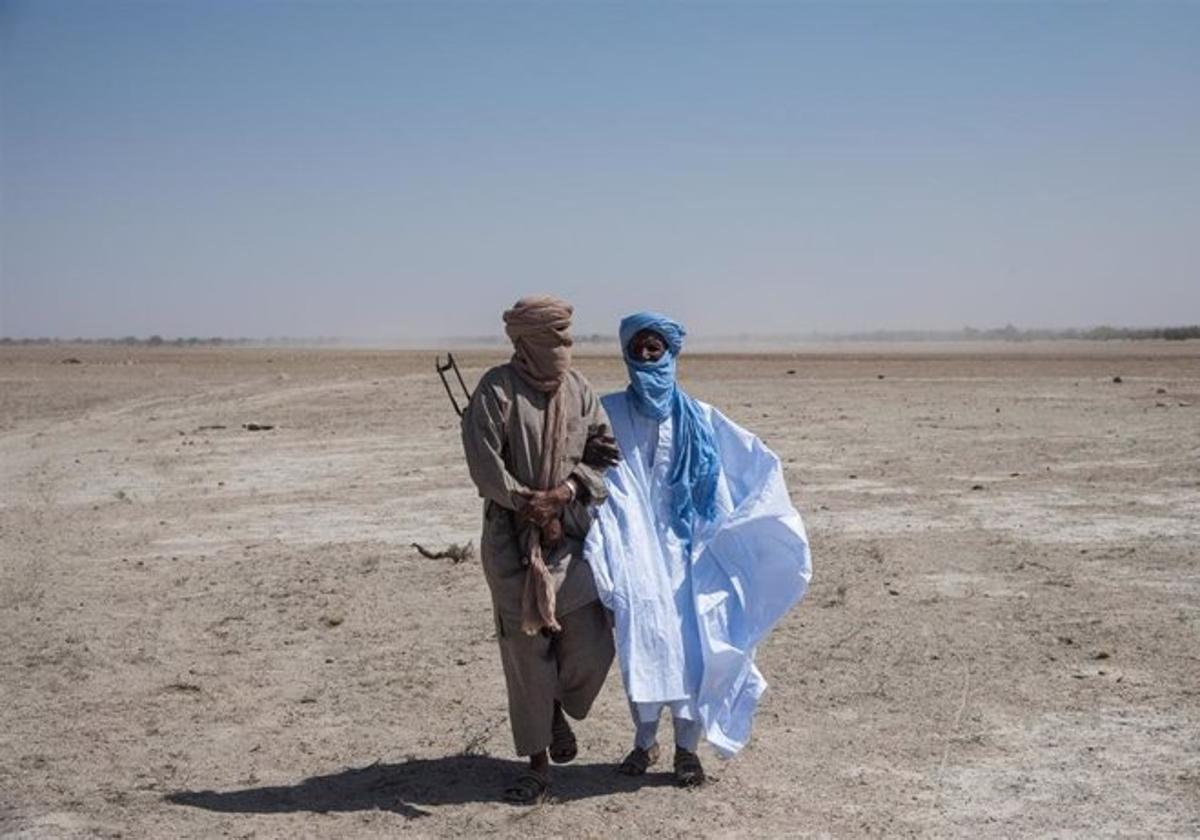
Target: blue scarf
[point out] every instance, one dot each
(654, 393)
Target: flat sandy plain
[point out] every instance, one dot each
(209, 631)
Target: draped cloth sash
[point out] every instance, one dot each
(539, 328)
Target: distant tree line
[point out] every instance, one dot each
(1012, 333)
(159, 341)
(1005, 333)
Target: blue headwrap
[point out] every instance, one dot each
(654, 393)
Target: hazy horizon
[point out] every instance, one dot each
(587, 342)
(383, 170)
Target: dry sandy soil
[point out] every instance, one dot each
(209, 631)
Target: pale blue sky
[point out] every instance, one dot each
(405, 170)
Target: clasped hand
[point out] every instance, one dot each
(543, 509)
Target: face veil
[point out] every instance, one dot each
(654, 392)
(540, 330)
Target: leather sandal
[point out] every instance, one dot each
(563, 746)
(689, 772)
(638, 761)
(527, 789)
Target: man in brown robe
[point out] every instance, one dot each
(525, 432)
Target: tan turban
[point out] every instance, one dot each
(540, 329)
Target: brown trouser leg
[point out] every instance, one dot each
(569, 667)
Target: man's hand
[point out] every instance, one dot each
(601, 451)
(552, 533)
(545, 506)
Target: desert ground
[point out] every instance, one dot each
(210, 631)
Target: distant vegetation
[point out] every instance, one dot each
(1006, 333)
(1011, 333)
(159, 341)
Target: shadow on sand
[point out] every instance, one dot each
(401, 788)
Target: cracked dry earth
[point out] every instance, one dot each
(217, 632)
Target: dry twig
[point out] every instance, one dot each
(455, 552)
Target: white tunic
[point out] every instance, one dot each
(688, 617)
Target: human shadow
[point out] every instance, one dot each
(402, 788)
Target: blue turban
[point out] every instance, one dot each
(654, 393)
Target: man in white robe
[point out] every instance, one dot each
(697, 552)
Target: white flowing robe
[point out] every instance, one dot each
(688, 618)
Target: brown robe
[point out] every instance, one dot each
(502, 437)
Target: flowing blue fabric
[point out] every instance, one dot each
(688, 614)
(654, 392)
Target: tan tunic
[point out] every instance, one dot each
(502, 436)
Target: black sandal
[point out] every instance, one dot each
(563, 745)
(527, 789)
(638, 761)
(689, 772)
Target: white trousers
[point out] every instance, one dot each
(687, 732)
